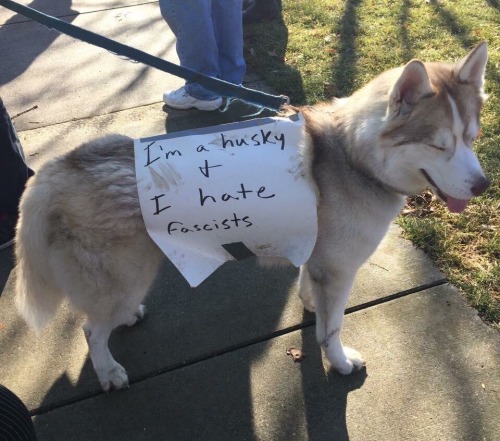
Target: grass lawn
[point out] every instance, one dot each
(329, 48)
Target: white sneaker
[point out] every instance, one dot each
(180, 99)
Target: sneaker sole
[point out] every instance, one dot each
(209, 106)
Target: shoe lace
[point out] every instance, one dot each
(182, 92)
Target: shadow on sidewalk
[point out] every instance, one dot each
(6, 266)
(180, 386)
(178, 120)
(325, 400)
(31, 49)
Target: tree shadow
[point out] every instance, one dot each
(122, 86)
(12, 68)
(458, 351)
(450, 21)
(344, 68)
(407, 52)
(494, 3)
(462, 33)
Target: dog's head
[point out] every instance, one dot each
(430, 125)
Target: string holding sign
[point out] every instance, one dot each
(227, 192)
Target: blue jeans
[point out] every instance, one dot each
(209, 39)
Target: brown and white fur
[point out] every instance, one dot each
(81, 233)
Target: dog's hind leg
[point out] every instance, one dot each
(331, 291)
(110, 373)
(102, 318)
(109, 287)
(304, 287)
(114, 307)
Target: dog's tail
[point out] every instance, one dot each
(37, 297)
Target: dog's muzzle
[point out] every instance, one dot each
(479, 186)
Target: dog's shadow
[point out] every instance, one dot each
(325, 393)
(248, 391)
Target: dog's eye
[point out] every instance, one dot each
(437, 147)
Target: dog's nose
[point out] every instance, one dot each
(480, 186)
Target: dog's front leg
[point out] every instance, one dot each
(331, 289)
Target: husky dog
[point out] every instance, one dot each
(81, 233)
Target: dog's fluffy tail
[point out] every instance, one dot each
(37, 297)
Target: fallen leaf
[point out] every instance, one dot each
(297, 354)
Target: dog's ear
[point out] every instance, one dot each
(471, 68)
(412, 85)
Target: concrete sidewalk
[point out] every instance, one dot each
(211, 363)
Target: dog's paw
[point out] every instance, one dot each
(137, 317)
(349, 362)
(114, 378)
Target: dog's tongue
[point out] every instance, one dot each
(456, 205)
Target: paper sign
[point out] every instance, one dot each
(227, 192)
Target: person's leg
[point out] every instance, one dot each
(13, 176)
(15, 421)
(262, 10)
(191, 22)
(228, 26)
(248, 3)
